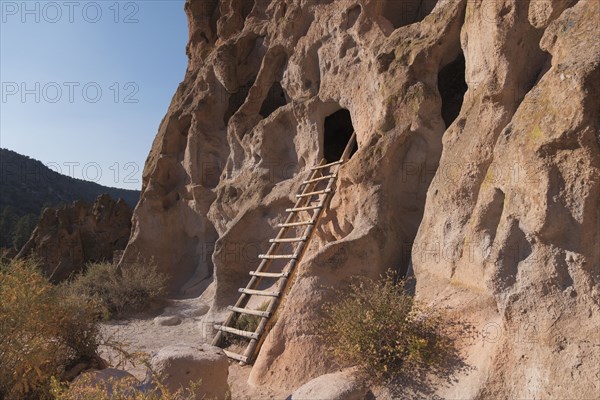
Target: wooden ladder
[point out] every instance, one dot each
(302, 230)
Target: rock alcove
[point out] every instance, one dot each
(338, 131)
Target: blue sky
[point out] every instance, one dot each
(85, 84)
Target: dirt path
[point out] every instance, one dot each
(141, 334)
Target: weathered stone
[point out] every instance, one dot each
(343, 385)
(68, 238)
(170, 320)
(179, 366)
(198, 311)
(478, 156)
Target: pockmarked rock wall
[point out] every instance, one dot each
(477, 169)
(68, 238)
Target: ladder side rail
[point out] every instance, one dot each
(283, 283)
(349, 147)
(289, 271)
(263, 266)
(255, 280)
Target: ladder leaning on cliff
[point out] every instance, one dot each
(307, 195)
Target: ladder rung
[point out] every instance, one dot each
(289, 240)
(276, 256)
(314, 193)
(239, 332)
(259, 292)
(303, 208)
(270, 274)
(236, 356)
(249, 312)
(327, 165)
(295, 224)
(321, 178)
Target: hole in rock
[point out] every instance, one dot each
(405, 12)
(236, 100)
(246, 8)
(531, 80)
(338, 130)
(452, 87)
(275, 99)
(353, 14)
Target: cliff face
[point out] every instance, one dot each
(67, 238)
(478, 160)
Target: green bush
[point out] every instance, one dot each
(245, 322)
(128, 388)
(86, 387)
(122, 291)
(43, 331)
(378, 326)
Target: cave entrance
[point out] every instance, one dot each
(338, 131)
(275, 99)
(452, 87)
(405, 12)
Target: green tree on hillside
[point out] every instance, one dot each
(15, 230)
(23, 229)
(8, 220)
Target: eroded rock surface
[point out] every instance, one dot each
(69, 237)
(478, 157)
(202, 369)
(342, 385)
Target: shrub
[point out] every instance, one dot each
(153, 388)
(245, 322)
(128, 388)
(43, 331)
(122, 291)
(379, 327)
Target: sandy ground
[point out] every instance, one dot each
(140, 334)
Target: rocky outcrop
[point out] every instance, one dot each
(511, 233)
(69, 237)
(478, 160)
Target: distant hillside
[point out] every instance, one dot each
(27, 186)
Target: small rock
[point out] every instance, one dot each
(178, 366)
(344, 385)
(170, 320)
(197, 311)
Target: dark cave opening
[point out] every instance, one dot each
(275, 99)
(405, 12)
(338, 131)
(246, 8)
(236, 100)
(452, 87)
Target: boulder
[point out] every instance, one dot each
(344, 385)
(170, 320)
(198, 311)
(179, 366)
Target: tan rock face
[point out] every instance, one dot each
(68, 238)
(341, 385)
(494, 195)
(203, 369)
(516, 221)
